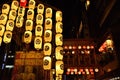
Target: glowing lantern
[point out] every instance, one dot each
(48, 13)
(109, 43)
(7, 37)
(38, 30)
(48, 23)
(59, 67)
(31, 4)
(39, 19)
(59, 53)
(58, 16)
(30, 14)
(2, 29)
(59, 39)
(47, 63)
(14, 4)
(27, 37)
(12, 14)
(10, 25)
(29, 25)
(19, 21)
(38, 43)
(0, 40)
(59, 27)
(21, 11)
(3, 19)
(5, 8)
(47, 49)
(40, 8)
(96, 70)
(23, 3)
(48, 36)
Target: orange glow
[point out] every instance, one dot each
(74, 47)
(96, 70)
(88, 47)
(91, 70)
(67, 73)
(70, 47)
(73, 52)
(65, 47)
(92, 47)
(68, 70)
(84, 47)
(81, 70)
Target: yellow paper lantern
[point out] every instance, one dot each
(39, 19)
(38, 43)
(59, 53)
(40, 8)
(12, 14)
(21, 11)
(0, 40)
(58, 39)
(30, 14)
(48, 23)
(59, 27)
(59, 67)
(7, 37)
(47, 49)
(3, 19)
(29, 25)
(27, 37)
(2, 29)
(38, 30)
(5, 8)
(14, 5)
(19, 21)
(31, 4)
(48, 36)
(58, 16)
(48, 13)
(10, 25)
(47, 63)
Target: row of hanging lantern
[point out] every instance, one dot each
(47, 39)
(7, 19)
(59, 46)
(29, 22)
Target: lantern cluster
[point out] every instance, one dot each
(7, 19)
(47, 49)
(81, 71)
(59, 44)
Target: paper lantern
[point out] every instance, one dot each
(30, 14)
(59, 67)
(48, 36)
(12, 14)
(48, 13)
(38, 43)
(5, 8)
(40, 8)
(47, 49)
(21, 11)
(0, 40)
(58, 16)
(47, 63)
(14, 4)
(2, 29)
(31, 4)
(27, 37)
(29, 25)
(19, 21)
(39, 19)
(58, 39)
(3, 19)
(23, 3)
(38, 30)
(48, 23)
(59, 53)
(10, 25)
(7, 37)
(59, 27)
